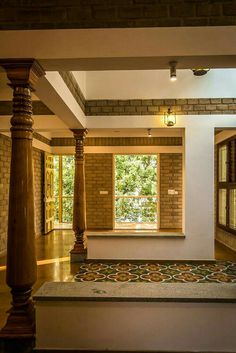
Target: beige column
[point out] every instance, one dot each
(21, 259)
(78, 253)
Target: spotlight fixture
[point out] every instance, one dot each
(169, 118)
(200, 72)
(149, 133)
(173, 76)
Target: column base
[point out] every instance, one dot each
(20, 324)
(79, 252)
(78, 257)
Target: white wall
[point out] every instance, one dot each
(198, 192)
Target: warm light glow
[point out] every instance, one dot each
(52, 261)
(173, 76)
(169, 118)
(57, 260)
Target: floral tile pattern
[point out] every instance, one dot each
(218, 272)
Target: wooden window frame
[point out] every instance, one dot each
(227, 185)
(60, 188)
(157, 196)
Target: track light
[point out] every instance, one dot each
(149, 133)
(173, 76)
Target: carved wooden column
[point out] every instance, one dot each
(78, 253)
(21, 259)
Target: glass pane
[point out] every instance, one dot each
(56, 210)
(232, 209)
(223, 163)
(136, 210)
(67, 209)
(136, 175)
(222, 206)
(67, 175)
(232, 164)
(56, 175)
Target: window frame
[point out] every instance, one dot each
(227, 185)
(61, 196)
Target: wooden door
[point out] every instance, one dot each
(48, 193)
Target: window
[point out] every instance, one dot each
(226, 185)
(136, 191)
(63, 188)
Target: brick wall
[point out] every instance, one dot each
(5, 159)
(117, 13)
(120, 141)
(196, 106)
(170, 178)
(98, 176)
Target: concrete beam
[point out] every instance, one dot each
(53, 91)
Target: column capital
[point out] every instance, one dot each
(80, 133)
(22, 72)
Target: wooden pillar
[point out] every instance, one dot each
(78, 253)
(21, 259)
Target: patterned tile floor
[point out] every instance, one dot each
(218, 272)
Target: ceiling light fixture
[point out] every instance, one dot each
(200, 72)
(173, 76)
(169, 118)
(149, 132)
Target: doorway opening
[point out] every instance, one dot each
(63, 191)
(136, 191)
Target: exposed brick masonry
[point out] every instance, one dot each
(39, 108)
(41, 138)
(73, 86)
(117, 13)
(5, 160)
(120, 141)
(170, 179)
(159, 106)
(98, 177)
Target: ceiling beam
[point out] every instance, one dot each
(53, 91)
(123, 48)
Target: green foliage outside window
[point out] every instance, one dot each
(68, 168)
(136, 175)
(64, 188)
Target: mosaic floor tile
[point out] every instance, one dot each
(219, 272)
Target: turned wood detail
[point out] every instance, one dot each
(21, 258)
(79, 210)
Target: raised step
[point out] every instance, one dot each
(136, 317)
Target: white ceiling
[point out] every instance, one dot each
(145, 49)
(155, 84)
